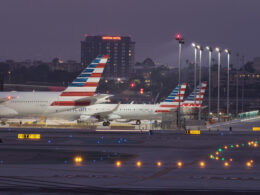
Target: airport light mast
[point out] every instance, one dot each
(200, 48)
(180, 41)
(209, 84)
(228, 66)
(237, 85)
(195, 68)
(219, 53)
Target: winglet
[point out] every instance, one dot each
(116, 107)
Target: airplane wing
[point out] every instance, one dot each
(98, 98)
(204, 107)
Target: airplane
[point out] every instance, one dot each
(127, 112)
(81, 92)
(192, 104)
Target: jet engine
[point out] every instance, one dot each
(86, 118)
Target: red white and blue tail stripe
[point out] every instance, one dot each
(84, 85)
(172, 101)
(191, 101)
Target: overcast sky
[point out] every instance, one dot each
(44, 29)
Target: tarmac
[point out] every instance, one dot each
(47, 164)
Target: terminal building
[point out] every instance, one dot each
(121, 51)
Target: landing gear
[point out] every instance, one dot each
(138, 122)
(106, 123)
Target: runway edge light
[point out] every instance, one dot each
(202, 164)
(118, 163)
(138, 163)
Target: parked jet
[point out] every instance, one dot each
(127, 112)
(192, 103)
(80, 93)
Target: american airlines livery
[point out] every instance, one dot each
(81, 92)
(127, 112)
(191, 101)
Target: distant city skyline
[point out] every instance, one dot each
(45, 29)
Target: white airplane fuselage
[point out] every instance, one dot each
(30, 104)
(80, 93)
(123, 111)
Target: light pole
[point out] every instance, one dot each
(180, 40)
(237, 86)
(219, 52)
(228, 64)
(195, 68)
(210, 59)
(243, 81)
(200, 48)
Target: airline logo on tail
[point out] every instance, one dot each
(172, 101)
(191, 101)
(84, 85)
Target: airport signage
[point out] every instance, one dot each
(192, 132)
(29, 136)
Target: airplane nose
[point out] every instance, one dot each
(4, 111)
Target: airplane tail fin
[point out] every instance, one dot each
(193, 101)
(172, 101)
(84, 85)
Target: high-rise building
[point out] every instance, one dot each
(121, 51)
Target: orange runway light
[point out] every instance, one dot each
(255, 145)
(202, 164)
(159, 164)
(225, 147)
(118, 164)
(230, 159)
(217, 153)
(179, 164)
(226, 164)
(78, 159)
(248, 164)
(237, 146)
(251, 161)
(138, 163)
(217, 158)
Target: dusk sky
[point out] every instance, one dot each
(44, 29)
